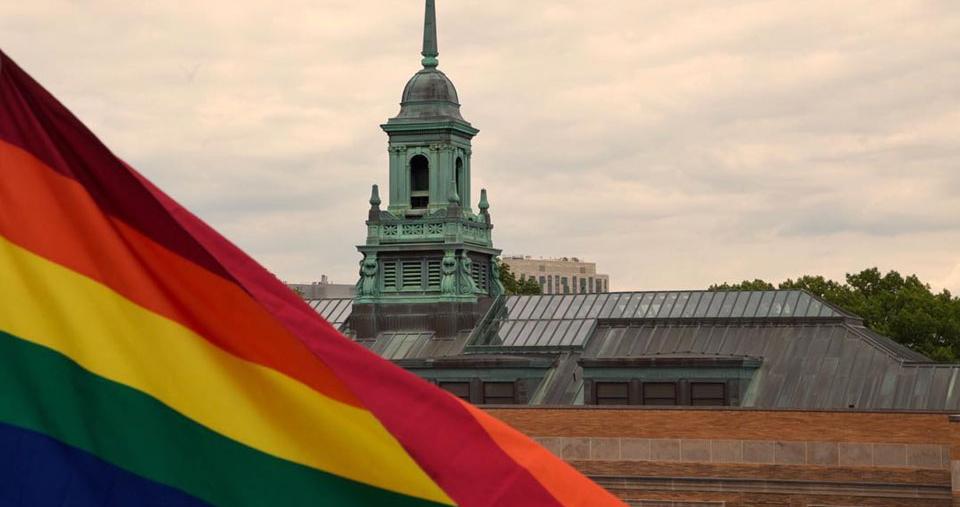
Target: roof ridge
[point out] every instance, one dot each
(878, 343)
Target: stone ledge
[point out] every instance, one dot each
(633, 487)
(843, 454)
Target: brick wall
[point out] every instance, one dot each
(735, 458)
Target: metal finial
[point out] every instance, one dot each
(375, 196)
(484, 205)
(430, 52)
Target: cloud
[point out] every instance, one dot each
(676, 144)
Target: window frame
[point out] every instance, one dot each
(444, 384)
(723, 399)
(502, 400)
(598, 400)
(645, 400)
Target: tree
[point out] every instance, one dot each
(902, 308)
(744, 285)
(512, 286)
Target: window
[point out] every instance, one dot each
(660, 393)
(622, 392)
(499, 393)
(583, 286)
(459, 389)
(574, 290)
(706, 394)
(419, 182)
(542, 268)
(612, 393)
(583, 270)
(590, 285)
(543, 281)
(549, 285)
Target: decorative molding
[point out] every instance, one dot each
(466, 275)
(415, 128)
(448, 285)
(369, 269)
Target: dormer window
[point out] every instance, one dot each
(419, 182)
(684, 380)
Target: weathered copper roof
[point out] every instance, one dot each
(430, 95)
(802, 352)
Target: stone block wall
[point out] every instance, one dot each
(745, 458)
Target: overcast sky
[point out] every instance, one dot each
(677, 144)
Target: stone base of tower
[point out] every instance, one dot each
(443, 318)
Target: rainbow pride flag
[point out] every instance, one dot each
(145, 360)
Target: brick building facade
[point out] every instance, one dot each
(754, 458)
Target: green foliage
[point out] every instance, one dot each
(902, 308)
(513, 286)
(744, 285)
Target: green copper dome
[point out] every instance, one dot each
(430, 94)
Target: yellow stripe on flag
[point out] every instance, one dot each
(108, 335)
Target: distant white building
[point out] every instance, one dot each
(323, 289)
(566, 275)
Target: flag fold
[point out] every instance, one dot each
(145, 360)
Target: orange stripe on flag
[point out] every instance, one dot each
(54, 217)
(568, 486)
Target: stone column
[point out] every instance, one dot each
(438, 190)
(466, 200)
(398, 170)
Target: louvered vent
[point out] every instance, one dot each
(412, 274)
(433, 274)
(390, 275)
(481, 275)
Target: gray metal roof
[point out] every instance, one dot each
(334, 311)
(672, 305)
(562, 322)
(810, 366)
(401, 345)
(804, 353)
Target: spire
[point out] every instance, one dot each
(430, 53)
(484, 206)
(374, 214)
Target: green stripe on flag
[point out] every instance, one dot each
(44, 391)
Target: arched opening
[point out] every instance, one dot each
(419, 182)
(459, 176)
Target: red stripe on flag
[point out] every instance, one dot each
(55, 218)
(437, 431)
(31, 118)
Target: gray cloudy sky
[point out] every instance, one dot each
(675, 143)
